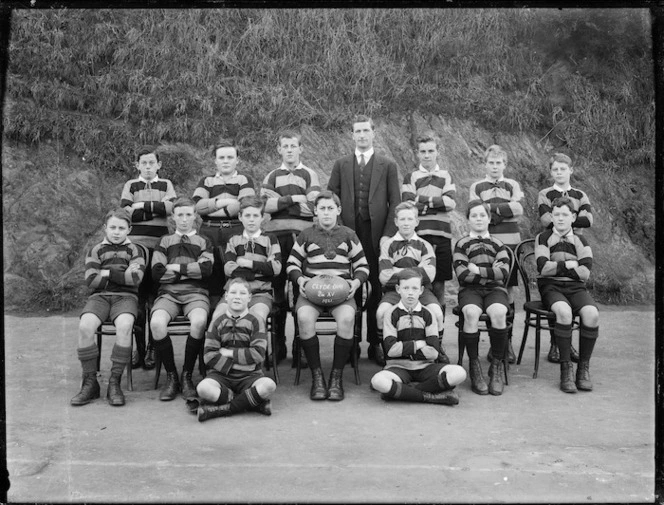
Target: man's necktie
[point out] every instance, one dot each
(362, 162)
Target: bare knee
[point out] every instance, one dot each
(209, 390)
(382, 382)
(563, 312)
(265, 387)
(589, 316)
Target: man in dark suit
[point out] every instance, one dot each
(368, 187)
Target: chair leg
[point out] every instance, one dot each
(506, 360)
(526, 325)
(99, 341)
(273, 344)
(538, 331)
(354, 360)
(157, 370)
(297, 351)
(460, 342)
(130, 379)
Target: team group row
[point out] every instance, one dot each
(368, 228)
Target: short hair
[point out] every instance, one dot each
(183, 202)
(407, 205)
(495, 150)
(118, 213)
(563, 201)
(478, 203)
(224, 143)
(361, 118)
(427, 137)
(409, 273)
(252, 201)
(560, 158)
(143, 150)
(327, 195)
(289, 134)
(238, 280)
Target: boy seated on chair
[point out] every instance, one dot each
(564, 260)
(235, 347)
(327, 248)
(255, 257)
(411, 346)
(407, 250)
(181, 264)
(482, 266)
(114, 269)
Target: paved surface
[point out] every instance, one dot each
(533, 444)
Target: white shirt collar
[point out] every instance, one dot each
(230, 314)
(284, 167)
(220, 176)
(106, 241)
(477, 235)
(190, 234)
(142, 179)
(561, 188)
(398, 236)
(489, 179)
(367, 155)
(248, 237)
(435, 169)
(417, 307)
(569, 234)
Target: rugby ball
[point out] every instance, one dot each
(326, 290)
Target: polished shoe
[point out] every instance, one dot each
(477, 381)
(114, 393)
(574, 354)
(496, 372)
(89, 390)
(376, 354)
(265, 408)
(318, 386)
(336, 390)
(567, 377)
(188, 388)
(583, 376)
(148, 361)
(206, 412)
(136, 361)
(554, 354)
(443, 398)
(171, 389)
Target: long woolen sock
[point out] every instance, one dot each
(405, 393)
(120, 356)
(248, 398)
(311, 349)
(88, 357)
(563, 334)
(472, 342)
(498, 339)
(191, 350)
(587, 338)
(164, 348)
(342, 349)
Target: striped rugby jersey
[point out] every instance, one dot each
(242, 335)
(265, 253)
(489, 254)
(398, 253)
(280, 185)
(402, 329)
(235, 186)
(503, 196)
(148, 224)
(433, 193)
(334, 252)
(116, 258)
(584, 214)
(552, 250)
(194, 255)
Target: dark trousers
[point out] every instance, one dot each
(363, 230)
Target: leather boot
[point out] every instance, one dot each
(206, 412)
(449, 397)
(148, 361)
(477, 381)
(318, 386)
(583, 376)
(574, 354)
(336, 389)
(114, 393)
(89, 390)
(554, 354)
(496, 372)
(567, 377)
(172, 387)
(188, 388)
(265, 408)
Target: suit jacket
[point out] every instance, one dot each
(384, 194)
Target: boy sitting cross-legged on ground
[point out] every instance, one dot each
(181, 264)
(113, 270)
(255, 257)
(235, 348)
(327, 248)
(407, 250)
(411, 346)
(482, 264)
(564, 260)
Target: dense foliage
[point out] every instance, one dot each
(102, 81)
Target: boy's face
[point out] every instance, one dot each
(225, 160)
(251, 218)
(363, 135)
(427, 152)
(185, 218)
(563, 218)
(561, 173)
(410, 291)
(147, 166)
(327, 211)
(495, 166)
(290, 150)
(478, 219)
(406, 221)
(116, 230)
(237, 297)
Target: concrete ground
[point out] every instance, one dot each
(532, 444)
